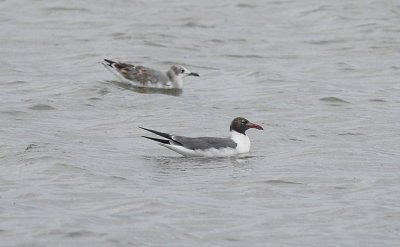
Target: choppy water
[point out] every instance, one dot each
(322, 77)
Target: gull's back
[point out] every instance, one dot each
(143, 75)
(203, 143)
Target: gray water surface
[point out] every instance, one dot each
(321, 77)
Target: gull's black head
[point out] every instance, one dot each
(241, 124)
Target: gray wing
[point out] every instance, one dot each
(205, 142)
(142, 74)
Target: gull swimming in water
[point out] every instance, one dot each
(141, 76)
(238, 142)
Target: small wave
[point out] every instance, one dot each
(218, 41)
(66, 9)
(322, 8)
(14, 82)
(195, 24)
(245, 5)
(378, 100)
(278, 181)
(334, 100)
(325, 41)
(118, 178)
(42, 107)
(95, 98)
(149, 43)
(83, 233)
(13, 113)
(243, 56)
(350, 134)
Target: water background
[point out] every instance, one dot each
(321, 77)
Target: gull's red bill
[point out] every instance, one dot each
(254, 126)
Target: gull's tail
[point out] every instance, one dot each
(108, 62)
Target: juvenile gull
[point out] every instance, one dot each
(238, 142)
(145, 77)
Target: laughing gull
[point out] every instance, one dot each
(238, 142)
(145, 77)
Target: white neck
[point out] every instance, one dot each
(177, 81)
(242, 140)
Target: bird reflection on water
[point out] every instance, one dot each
(145, 90)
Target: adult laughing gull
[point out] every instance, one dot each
(238, 142)
(145, 77)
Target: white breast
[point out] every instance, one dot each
(243, 142)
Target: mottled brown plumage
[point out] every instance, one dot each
(146, 77)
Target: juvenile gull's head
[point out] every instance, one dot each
(180, 71)
(176, 74)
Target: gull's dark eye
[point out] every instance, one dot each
(182, 71)
(243, 121)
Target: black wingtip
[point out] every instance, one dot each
(109, 62)
(143, 128)
(165, 135)
(157, 140)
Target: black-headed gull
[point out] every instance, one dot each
(238, 142)
(145, 77)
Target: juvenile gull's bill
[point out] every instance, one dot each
(145, 77)
(238, 142)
